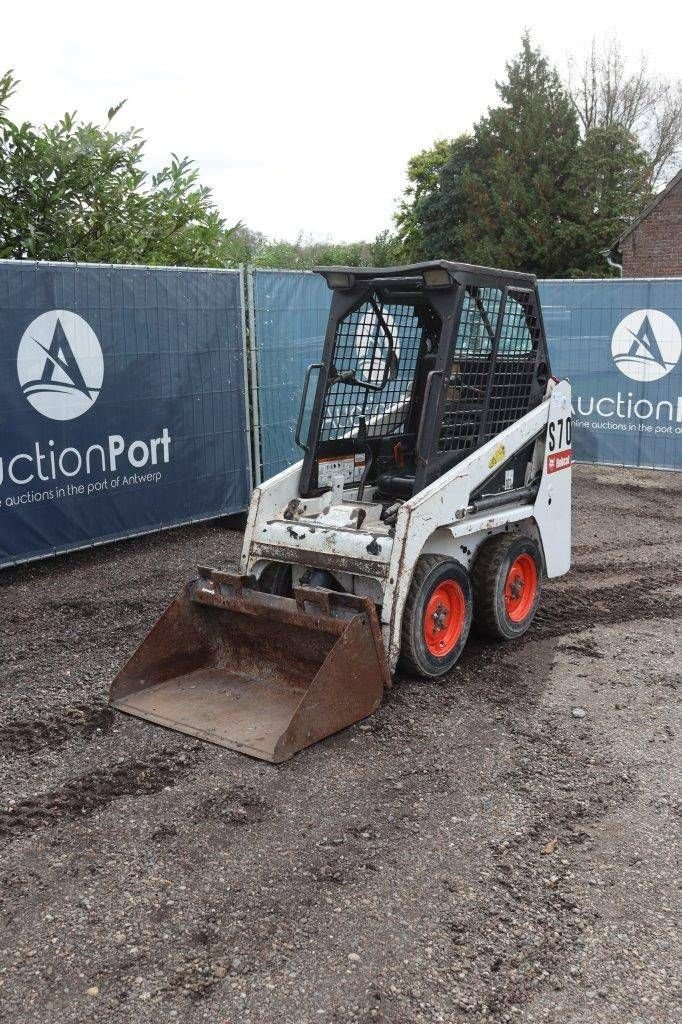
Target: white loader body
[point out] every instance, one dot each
(377, 560)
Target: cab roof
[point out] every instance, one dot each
(462, 273)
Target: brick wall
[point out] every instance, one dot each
(654, 248)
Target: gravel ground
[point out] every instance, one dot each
(474, 852)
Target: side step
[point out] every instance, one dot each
(254, 672)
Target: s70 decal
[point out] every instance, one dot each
(559, 433)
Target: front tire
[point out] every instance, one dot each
(507, 584)
(437, 616)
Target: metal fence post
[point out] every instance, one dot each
(253, 371)
(245, 368)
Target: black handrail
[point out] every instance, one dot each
(301, 410)
(425, 408)
(349, 377)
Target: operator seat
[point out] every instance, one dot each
(399, 482)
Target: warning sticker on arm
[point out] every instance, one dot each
(350, 467)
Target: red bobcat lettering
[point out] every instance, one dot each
(559, 460)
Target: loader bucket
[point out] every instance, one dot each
(254, 672)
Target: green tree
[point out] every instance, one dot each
(613, 181)
(250, 247)
(78, 191)
(442, 209)
(423, 175)
(302, 254)
(525, 190)
(385, 250)
(522, 195)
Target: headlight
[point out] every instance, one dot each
(340, 281)
(437, 277)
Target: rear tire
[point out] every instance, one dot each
(276, 579)
(507, 584)
(437, 616)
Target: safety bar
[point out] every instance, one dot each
(425, 407)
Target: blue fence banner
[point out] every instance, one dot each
(289, 311)
(619, 343)
(122, 403)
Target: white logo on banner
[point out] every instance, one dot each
(646, 345)
(60, 365)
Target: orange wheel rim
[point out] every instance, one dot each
(520, 588)
(444, 618)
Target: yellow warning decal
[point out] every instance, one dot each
(497, 456)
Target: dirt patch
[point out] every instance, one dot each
(641, 597)
(496, 846)
(89, 793)
(53, 730)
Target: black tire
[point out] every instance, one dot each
(276, 579)
(430, 572)
(493, 611)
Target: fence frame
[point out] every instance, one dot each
(253, 363)
(252, 463)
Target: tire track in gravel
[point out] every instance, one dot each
(82, 796)
(628, 544)
(521, 891)
(527, 888)
(354, 854)
(652, 510)
(604, 569)
(82, 609)
(523, 894)
(573, 610)
(636, 490)
(46, 733)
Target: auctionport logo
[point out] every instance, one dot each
(60, 365)
(646, 345)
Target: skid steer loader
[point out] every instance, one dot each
(434, 491)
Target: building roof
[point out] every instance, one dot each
(652, 205)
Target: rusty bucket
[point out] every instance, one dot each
(258, 673)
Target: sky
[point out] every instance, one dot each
(301, 115)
